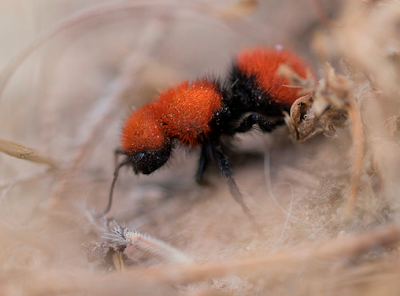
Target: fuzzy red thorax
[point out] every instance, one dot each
(186, 110)
(143, 130)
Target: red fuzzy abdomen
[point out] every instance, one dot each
(263, 63)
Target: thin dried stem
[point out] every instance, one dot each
(358, 157)
(22, 152)
(238, 10)
(150, 245)
(82, 17)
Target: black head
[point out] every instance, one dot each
(146, 162)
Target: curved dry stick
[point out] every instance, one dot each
(104, 10)
(147, 244)
(79, 18)
(358, 156)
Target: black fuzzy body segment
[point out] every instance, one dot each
(250, 97)
(243, 95)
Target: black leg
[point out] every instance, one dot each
(227, 172)
(265, 125)
(203, 162)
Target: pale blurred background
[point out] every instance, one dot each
(69, 98)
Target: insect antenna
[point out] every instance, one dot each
(110, 197)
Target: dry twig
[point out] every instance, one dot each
(22, 152)
(148, 244)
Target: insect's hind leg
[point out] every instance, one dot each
(226, 170)
(203, 162)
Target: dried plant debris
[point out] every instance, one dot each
(322, 110)
(240, 9)
(329, 104)
(304, 124)
(110, 253)
(148, 244)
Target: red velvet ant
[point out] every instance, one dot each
(205, 112)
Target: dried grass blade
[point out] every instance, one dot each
(22, 152)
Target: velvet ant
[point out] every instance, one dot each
(206, 112)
